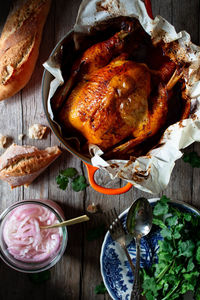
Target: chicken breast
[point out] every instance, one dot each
(109, 104)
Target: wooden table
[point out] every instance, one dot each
(78, 272)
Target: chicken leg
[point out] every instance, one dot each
(94, 58)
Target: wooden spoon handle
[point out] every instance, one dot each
(68, 222)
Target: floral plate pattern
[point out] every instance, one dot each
(115, 269)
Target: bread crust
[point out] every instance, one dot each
(19, 45)
(20, 165)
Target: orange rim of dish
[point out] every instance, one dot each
(108, 191)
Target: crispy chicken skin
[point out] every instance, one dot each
(109, 104)
(95, 57)
(114, 101)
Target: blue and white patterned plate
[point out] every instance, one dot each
(115, 269)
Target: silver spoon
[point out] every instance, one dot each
(138, 223)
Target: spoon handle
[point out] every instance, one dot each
(135, 294)
(68, 222)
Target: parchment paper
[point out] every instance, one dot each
(149, 173)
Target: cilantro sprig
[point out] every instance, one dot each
(178, 267)
(100, 289)
(70, 175)
(192, 158)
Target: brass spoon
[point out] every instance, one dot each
(68, 222)
(138, 223)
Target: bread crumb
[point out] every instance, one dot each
(37, 131)
(3, 141)
(20, 136)
(92, 208)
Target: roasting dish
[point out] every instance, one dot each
(144, 156)
(120, 93)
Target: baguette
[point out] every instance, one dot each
(20, 165)
(19, 45)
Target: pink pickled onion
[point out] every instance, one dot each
(24, 238)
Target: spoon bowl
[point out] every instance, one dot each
(138, 224)
(139, 218)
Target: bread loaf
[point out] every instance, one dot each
(19, 45)
(20, 165)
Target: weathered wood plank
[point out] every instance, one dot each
(77, 274)
(72, 203)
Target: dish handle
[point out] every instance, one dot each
(91, 171)
(149, 8)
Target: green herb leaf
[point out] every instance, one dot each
(191, 276)
(178, 267)
(149, 296)
(40, 277)
(165, 246)
(171, 221)
(187, 217)
(161, 208)
(150, 285)
(79, 183)
(198, 254)
(166, 233)
(159, 223)
(186, 248)
(185, 287)
(192, 158)
(69, 172)
(197, 293)
(190, 265)
(62, 181)
(177, 230)
(100, 289)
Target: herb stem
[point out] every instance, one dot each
(172, 291)
(162, 273)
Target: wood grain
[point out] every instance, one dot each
(78, 272)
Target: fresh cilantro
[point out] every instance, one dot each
(186, 248)
(190, 265)
(178, 255)
(79, 183)
(62, 181)
(161, 208)
(198, 255)
(69, 172)
(40, 277)
(159, 223)
(70, 175)
(177, 231)
(192, 158)
(171, 221)
(166, 233)
(187, 217)
(150, 284)
(100, 289)
(197, 293)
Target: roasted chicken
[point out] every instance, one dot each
(110, 98)
(109, 104)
